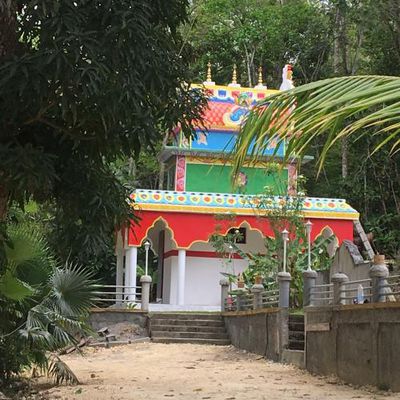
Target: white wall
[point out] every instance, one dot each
(204, 273)
(202, 280)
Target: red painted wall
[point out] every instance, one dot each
(188, 228)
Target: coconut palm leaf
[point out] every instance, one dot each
(332, 108)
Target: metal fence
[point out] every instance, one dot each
(380, 287)
(243, 299)
(356, 292)
(390, 288)
(321, 294)
(107, 295)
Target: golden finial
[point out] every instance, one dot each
(234, 75)
(208, 72)
(260, 84)
(260, 77)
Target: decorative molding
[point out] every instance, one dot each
(180, 174)
(220, 203)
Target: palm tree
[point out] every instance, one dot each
(332, 108)
(42, 306)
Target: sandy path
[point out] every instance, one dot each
(185, 371)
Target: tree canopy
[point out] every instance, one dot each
(83, 83)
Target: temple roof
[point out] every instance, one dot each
(219, 203)
(227, 105)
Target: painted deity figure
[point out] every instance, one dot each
(287, 78)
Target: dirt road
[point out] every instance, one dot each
(185, 371)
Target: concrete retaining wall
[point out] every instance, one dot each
(262, 331)
(100, 318)
(358, 343)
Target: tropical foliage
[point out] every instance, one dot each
(283, 212)
(333, 108)
(43, 306)
(84, 84)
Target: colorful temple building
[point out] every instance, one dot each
(179, 221)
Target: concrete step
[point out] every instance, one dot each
(195, 335)
(188, 328)
(296, 326)
(185, 316)
(296, 344)
(219, 342)
(188, 322)
(296, 318)
(296, 335)
(295, 357)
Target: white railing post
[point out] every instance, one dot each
(145, 280)
(284, 279)
(379, 272)
(309, 280)
(257, 290)
(338, 279)
(224, 282)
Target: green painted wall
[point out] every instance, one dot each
(216, 179)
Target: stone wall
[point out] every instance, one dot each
(263, 331)
(100, 318)
(358, 343)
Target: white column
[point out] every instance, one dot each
(119, 274)
(130, 271)
(181, 276)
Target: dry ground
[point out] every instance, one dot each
(186, 371)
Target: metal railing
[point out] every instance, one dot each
(321, 294)
(106, 295)
(378, 288)
(356, 292)
(389, 288)
(243, 299)
(270, 298)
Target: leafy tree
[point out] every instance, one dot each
(83, 84)
(258, 32)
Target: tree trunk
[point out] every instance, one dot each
(3, 203)
(248, 65)
(8, 28)
(8, 47)
(340, 67)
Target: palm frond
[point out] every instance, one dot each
(60, 371)
(72, 290)
(333, 108)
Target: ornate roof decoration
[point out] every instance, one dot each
(215, 203)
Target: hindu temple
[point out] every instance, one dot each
(178, 222)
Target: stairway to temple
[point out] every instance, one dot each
(296, 332)
(198, 328)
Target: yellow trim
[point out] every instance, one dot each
(160, 218)
(222, 161)
(242, 211)
(333, 233)
(236, 89)
(232, 227)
